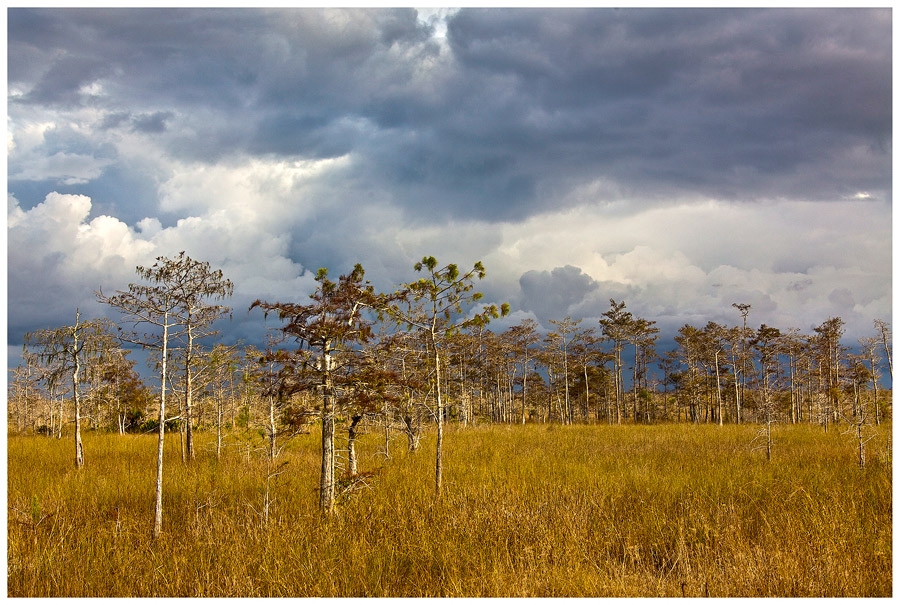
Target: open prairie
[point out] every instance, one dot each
(536, 510)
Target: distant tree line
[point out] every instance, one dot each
(423, 355)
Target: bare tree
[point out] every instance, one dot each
(690, 342)
(792, 345)
(74, 350)
(197, 284)
(641, 334)
(859, 420)
(174, 297)
(870, 352)
(403, 354)
(561, 338)
(524, 336)
(733, 338)
(741, 373)
(712, 352)
(585, 355)
(217, 373)
(616, 324)
(24, 390)
(270, 371)
(884, 330)
(765, 342)
(829, 354)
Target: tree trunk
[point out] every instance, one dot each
(874, 364)
(352, 463)
(411, 429)
(188, 394)
(618, 380)
(439, 450)
(524, 387)
(567, 419)
(548, 413)
(181, 415)
(218, 428)
(387, 433)
(634, 387)
(862, 444)
(587, 394)
(79, 448)
(719, 390)
(326, 480)
(272, 429)
(157, 519)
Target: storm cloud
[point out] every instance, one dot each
(681, 159)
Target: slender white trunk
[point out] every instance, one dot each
(634, 385)
(568, 419)
(157, 520)
(188, 394)
(79, 448)
(272, 434)
(620, 390)
(719, 390)
(439, 462)
(587, 394)
(218, 427)
(862, 444)
(524, 387)
(737, 390)
(387, 432)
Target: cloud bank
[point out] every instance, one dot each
(680, 160)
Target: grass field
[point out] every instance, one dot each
(677, 510)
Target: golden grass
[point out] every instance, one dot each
(676, 510)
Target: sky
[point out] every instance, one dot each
(680, 160)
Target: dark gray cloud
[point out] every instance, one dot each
(741, 104)
(323, 137)
(732, 103)
(551, 294)
(152, 123)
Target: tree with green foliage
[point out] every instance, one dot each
(434, 304)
